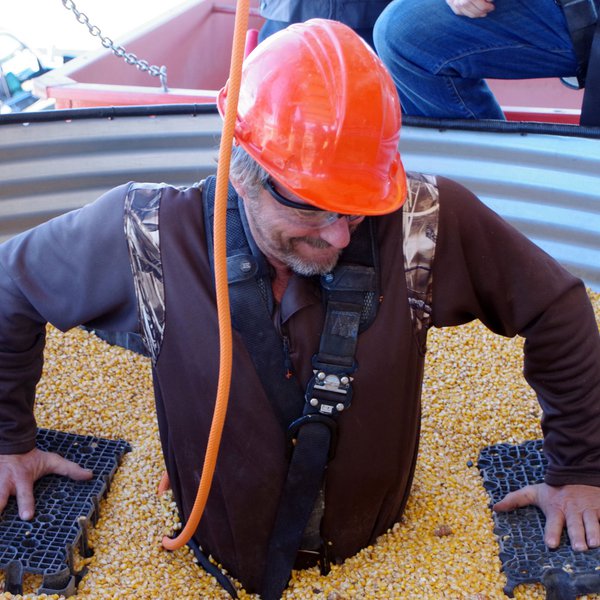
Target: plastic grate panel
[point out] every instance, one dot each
(63, 511)
(525, 558)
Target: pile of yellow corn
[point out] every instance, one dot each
(444, 548)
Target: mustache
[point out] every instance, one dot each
(317, 243)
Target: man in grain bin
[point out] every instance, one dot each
(338, 265)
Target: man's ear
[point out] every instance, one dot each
(238, 187)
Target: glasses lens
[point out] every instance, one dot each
(307, 215)
(315, 220)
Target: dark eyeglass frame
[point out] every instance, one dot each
(268, 185)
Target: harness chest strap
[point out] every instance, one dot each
(581, 17)
(590, 109)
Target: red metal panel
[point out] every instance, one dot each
(194, 43)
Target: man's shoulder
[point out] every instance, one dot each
(441, 183)
(422, 192)
(141, 197)
(444, 190)
(416, 178)
(166, 190)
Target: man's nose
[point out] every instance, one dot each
(337, 234)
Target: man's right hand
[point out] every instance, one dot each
(475, 9)
(18, 473)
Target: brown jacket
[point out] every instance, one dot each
(483, 269)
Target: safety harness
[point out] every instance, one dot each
(309, 417)
(584, 30)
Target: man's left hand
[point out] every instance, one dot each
(577, 506)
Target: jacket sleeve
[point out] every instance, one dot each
(69, 271)
(485, 269)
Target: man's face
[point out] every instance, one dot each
(308, 242)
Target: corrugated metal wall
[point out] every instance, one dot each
(47, 168)
(547, 185)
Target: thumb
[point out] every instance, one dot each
(517, 499)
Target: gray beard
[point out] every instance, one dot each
(308, 268)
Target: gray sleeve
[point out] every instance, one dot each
(69, 271)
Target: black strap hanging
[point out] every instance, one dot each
(584, 30)
(251, 304)
(301, 489)
(581, 17)
(212, 569)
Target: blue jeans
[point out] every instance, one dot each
(439, 60)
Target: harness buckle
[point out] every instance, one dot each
(329, 393)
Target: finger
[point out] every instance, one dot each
(555, 523)
(523, 497)
(62, 466)
(458, 7)
(485, 8)
(481, 7)
(4, 496)
(576, 530)
(592, 528)
(478, 13)
(25, 500)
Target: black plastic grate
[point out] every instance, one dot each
(525, 558)
(63, 510)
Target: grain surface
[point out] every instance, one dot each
(474, 395)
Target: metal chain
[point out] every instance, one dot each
(118, 51)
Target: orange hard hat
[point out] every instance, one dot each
(320, 113)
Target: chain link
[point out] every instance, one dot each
(118, 51)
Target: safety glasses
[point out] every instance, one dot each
(307, 215)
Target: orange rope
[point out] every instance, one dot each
(222, 290)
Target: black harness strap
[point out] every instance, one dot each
(212, 569)
(581, 17)
(350, 293)
(300, 492)
(584, 30)
(251, 300)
